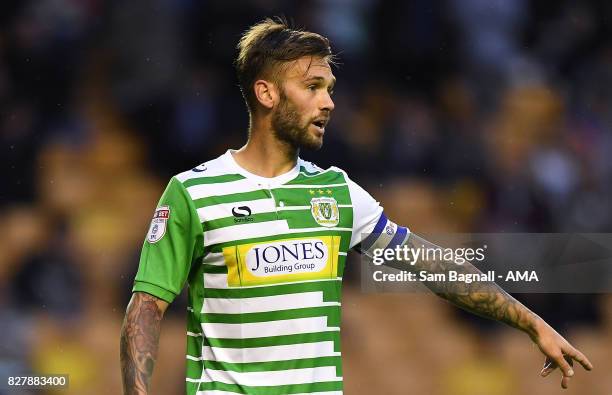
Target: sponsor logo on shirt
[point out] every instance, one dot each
(157, 229)
(280, 261)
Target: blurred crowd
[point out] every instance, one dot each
(459, 116)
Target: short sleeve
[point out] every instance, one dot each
(366, 212)
(173, 243)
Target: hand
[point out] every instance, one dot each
(559, 353)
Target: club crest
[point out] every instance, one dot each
(157, 230)
(325, 211)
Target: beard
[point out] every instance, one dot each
(287, 126)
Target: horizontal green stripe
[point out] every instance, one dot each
(303, 196)
(245, 367)
(283, 340)
(194, 343)
(332, 313)
(304, 219)
(213, 180)
(214, 269)
(308, 173)
(289, 196)
(270, 390)
(231, 198)
(232, 221)
(331, 290)
(319, 178)
(222, 269)
(296, 219)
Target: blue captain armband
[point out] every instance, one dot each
(385, 235)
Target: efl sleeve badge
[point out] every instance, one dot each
(157, 230)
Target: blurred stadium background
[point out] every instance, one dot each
(459, 116)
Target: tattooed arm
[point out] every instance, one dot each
(139, 341)
(487, 299)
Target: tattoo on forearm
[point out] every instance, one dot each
(139, 343)
(486, 299)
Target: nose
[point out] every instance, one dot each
(327, 103)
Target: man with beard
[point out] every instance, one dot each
(261, 237)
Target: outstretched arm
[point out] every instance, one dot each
(139, 341)
(487, 299)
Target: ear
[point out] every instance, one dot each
(266, 93)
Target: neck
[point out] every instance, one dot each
(265, 155)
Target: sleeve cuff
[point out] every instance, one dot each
(155, 290)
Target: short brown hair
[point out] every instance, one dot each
(268, 44)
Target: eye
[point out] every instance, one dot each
(331, 92)
(312, 88)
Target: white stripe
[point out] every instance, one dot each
(219, 280)
(187, 175)
(214, 168)
(213, 392)
(224, 188)
(214, 258)
(246, 231)
(265, 303)
(307, 207)
(192, 334)
(319, 229)
(209, 172)
(304, 186)
(271, 353)
(322, 393)
(223, 210)
(278, 377)
(268, 328)
(215, 280)
(290, 208)
(219, 392)
(261, 229)
(341, 253)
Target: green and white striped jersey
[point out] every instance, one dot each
(263, 259)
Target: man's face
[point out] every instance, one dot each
(305, 103)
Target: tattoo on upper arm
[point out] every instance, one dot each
(139, 342)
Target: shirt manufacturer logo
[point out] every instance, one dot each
(242, 214)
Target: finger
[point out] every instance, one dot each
(549, 366)
(582, 359)
(565, 382)
(546, 371)
(564, 365)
